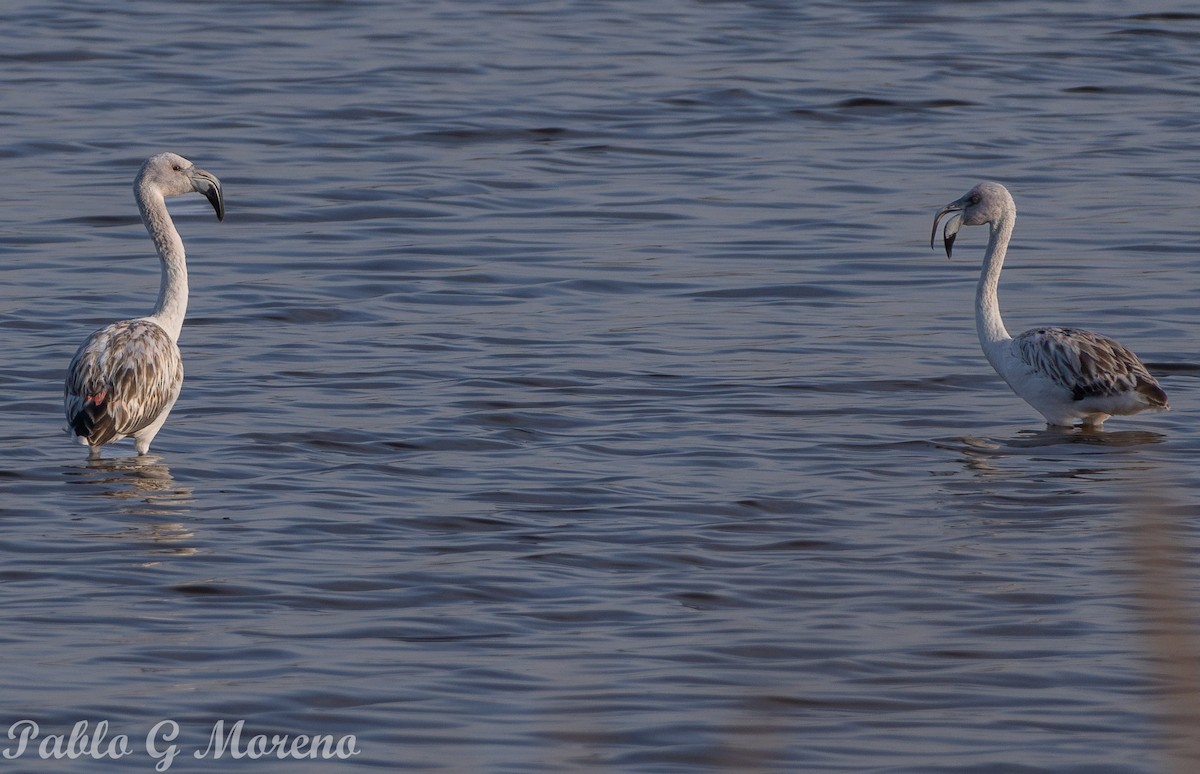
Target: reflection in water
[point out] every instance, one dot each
(979, 454)
(1160, 552)
(142, 483)
(597, 408)
(141, 486)
(1055, 436)
(1156, 561)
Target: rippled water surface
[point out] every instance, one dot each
(571, 386)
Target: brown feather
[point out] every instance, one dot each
(120, 380)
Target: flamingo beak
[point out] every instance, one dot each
(208, 184)
(952, 226)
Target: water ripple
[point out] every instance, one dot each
(571, 385)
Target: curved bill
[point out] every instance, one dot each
(951, 230)
(208, 184)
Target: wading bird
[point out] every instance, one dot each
(1067, 374)
(126, 377)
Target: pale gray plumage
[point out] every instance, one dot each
(126, 377)
(1064, 373)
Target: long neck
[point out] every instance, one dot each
(173, 289)
(992, 334)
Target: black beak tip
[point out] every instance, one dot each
(949, 245)
(217, 201)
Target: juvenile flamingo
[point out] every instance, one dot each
(126, 377)
(1064, 373)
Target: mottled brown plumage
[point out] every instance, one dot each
(121, 379)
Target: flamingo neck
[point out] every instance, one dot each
(173, 288)
(990, 326)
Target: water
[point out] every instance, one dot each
(571, 386)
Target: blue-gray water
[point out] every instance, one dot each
(571, 386)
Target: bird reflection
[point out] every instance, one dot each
(141, 487)
(1055, 436)
(979, 454)
(143, 484)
